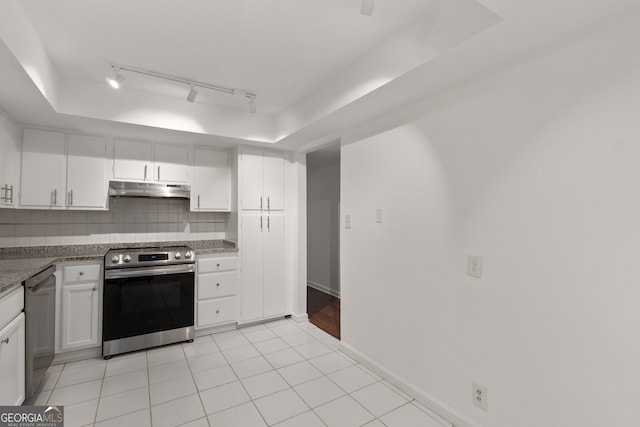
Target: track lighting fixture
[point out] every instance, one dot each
(117, 78)
(367, 7)
(193, 93)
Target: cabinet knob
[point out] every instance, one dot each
(81, 273)
(217, 312)
(217, 284)
(217, 265)
(5, 341)
(95, 289)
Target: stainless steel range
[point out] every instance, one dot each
(148, 298)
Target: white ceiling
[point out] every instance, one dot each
(318, 67)
(279, 49)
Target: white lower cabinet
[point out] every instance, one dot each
(216, 302)
(12, 349)
(263, 285)
(80, 308)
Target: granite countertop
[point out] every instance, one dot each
(18, 264)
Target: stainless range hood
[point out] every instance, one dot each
(144, 189)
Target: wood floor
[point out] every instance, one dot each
(324, 311)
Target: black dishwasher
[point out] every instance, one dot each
(39, 310)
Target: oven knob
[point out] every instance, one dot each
(178, 255)
(115, 259)
(187, 255)
(127, 258)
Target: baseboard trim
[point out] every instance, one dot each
(429, 401)
(323, 288)
(75, 355)
(299, 318)
(215, 329)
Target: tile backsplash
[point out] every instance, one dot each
(128, 220)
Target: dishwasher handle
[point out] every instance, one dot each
(34, 283)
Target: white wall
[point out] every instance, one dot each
(537, 170)
(323, 227)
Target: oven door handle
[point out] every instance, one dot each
(123, 273)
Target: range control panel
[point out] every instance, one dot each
(138, 257)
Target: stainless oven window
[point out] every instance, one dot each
(146, 304)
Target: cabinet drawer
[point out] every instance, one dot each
(211, 265)
(11, 305)
(81, 273)
(215, 285)
(216, 311)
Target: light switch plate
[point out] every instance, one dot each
(347, 222)
(474, 266)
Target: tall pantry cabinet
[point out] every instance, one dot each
(262, 234)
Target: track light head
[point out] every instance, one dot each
(239, 93)
(367, 7)
(117, 78)
(193, 93)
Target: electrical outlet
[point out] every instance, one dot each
(474, 266)
(480, 396)
(347, 222)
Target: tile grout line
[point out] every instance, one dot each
(149, 387)
(104, 373)
(241, 383)
(204, 410)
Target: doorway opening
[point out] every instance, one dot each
(323, 238)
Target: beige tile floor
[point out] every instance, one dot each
(276, 374)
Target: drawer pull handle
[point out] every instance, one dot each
(5, 341)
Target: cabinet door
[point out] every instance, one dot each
(86, 183)
(211, 184)
(274, 287)
(252, 290)
(132, 160)
(273, 182)
(79, 322)
(9, 162)
(171, 163)
(12, 362)
(252, 181)
(44, 164)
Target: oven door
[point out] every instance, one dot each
(140, 301)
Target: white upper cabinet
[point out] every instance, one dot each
(171, 163)
(262, 180)
(211, 182)
(57, 173)
(144, 161)
(132, 160)
(86, 162)
(9, 161)
(44, 162)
